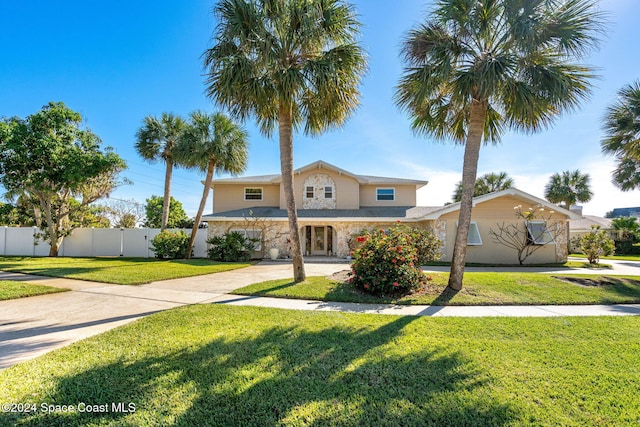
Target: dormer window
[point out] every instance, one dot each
(385, 194)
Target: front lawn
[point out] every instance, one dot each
(10, 289)
(479, 289)
(219, 365)
(121, 271)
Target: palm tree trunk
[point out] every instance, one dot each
(286, 167)
(477, 119)
(203, 202)
(167, 193)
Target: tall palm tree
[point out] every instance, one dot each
(487, 183)
(622, 136)
(211, 143)
(290, 64)
(477, 68)
(568, 188)
(155, 140)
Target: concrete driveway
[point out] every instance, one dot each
(33, 326)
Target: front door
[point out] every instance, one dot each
(318, 240)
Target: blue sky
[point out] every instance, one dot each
(117, 62)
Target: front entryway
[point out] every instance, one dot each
(318, 240)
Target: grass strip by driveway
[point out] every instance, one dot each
(10, 289)
(479, 289)
(218, 365)
(121, 271)
(613, 257)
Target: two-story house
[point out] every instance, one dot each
(333, 204)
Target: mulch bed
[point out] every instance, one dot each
(598, 281)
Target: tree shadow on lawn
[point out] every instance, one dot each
(289, 375)
(621, 286)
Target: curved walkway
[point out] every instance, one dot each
(33, 326)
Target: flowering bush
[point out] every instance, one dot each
(387, 264)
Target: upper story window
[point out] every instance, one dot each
(308, 192)
(328, 192)
(538, 233)
(253, 193)
(385, 194)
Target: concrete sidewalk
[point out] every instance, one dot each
(33, 326)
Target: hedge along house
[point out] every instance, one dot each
(334, 204)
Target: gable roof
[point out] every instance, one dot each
(362, 179)
(587, 221)
(513, 192)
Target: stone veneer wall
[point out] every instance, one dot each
(278, 233)
(319, 181)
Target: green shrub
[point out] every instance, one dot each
(169, 244)
(231, 247)
(595, 244)
(389, 264)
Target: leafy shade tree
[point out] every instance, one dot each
(475, 69)
(50, 159)
(290, 64)
(568, 188)
(622, 136)
(177, 216)
(155, 140)
(124, 213)
(211, 143)
(487, 183)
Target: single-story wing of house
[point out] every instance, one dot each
(333, 205)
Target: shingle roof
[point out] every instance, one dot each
(396, 212)
(362, 179)
(587, 221)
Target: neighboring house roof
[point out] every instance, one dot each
(617, 212)
(587, 221)
(362, 179)
(513, 192)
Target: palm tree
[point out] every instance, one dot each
(568, 188)
(475, 69)
(290, 64)
(155, 140)
(487, 183)
(212, 143)
(622, 136)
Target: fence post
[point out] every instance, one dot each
(5, 240)
(121, 241)
(33, 236)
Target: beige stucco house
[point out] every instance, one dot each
(334, 204)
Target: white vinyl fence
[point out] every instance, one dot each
(91, 242)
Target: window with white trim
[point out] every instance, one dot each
(538, 233)
(308, 192)
(253, 193)
(474, 238)
(251, 234)
(385, 194)
(328, 192)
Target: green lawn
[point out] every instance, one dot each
(479, 289)
(122, 271)
(615, 257)
(10, 289)
(219, 365)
